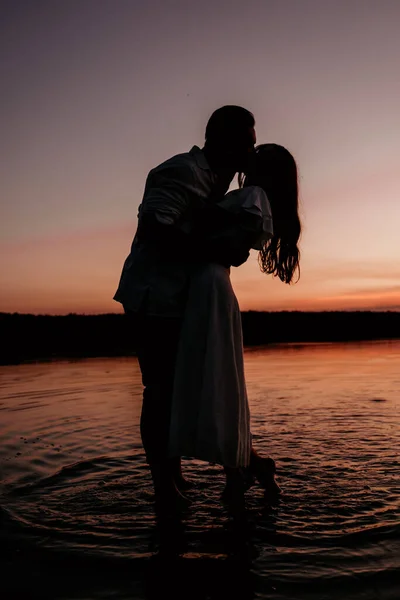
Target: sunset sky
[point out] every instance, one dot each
(94, 93)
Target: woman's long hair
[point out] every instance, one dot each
(275, 170)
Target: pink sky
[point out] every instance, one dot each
(96, 93)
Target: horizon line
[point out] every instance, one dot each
(104, 314)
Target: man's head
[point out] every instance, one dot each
(230, 138)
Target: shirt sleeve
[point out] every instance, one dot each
(253, 212)
(168, 192)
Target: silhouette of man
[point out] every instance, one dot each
(178, 196)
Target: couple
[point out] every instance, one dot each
(175, 288)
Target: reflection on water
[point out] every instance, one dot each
(76, 500)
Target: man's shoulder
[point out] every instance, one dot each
(193, 160)
(184, 161)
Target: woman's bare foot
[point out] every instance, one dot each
(263, 470)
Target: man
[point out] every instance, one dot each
(178, 195)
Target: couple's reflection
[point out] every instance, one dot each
(215, 563)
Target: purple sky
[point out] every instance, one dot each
(94, 93)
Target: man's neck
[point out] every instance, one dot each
(211, 157)
(217, 164)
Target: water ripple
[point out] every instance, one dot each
(76, 494)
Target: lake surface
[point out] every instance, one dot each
(76, 509)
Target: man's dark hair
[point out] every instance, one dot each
(226, 122)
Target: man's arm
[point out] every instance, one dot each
(169, 192)
(198, 246)
(168, 199)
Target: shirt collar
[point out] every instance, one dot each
(200, 158)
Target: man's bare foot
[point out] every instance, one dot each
(169, 500)
(234, 501)
(176, 471)
(168, 497)
(233, 494)
(182, 483)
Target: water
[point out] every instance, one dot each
(76, 502)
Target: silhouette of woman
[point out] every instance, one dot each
(210, 417)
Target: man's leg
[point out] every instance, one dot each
(157, 346)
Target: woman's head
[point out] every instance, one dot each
(274, 169)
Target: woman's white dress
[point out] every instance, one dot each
(210, 417)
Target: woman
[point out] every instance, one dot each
(210, 417)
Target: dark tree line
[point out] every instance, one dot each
(32, 337)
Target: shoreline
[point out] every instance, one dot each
(253, 348)
(40, 338)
